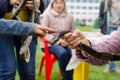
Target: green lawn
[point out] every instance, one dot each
(96, 72)
(85, 28)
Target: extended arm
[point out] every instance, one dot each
(107, 48)
(13, 27)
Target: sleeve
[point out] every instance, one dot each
(110, 43)
(4, 7)
(45, 21)
(14, 27)
(107, 44)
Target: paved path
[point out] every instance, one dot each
(93, 34)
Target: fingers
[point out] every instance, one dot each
(49, 30)
(74, 39)
(77, 33)
(67, 36)
(42, 31)
(74, 45)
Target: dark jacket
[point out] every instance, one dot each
(103, 17)
(14, 27)
(44, 4)
(4, 7)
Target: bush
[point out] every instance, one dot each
(96, 24)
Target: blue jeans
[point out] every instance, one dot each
(9, 62)
(112, 28)
(63, 55)
(112, 65)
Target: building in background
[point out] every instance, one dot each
(84, 10)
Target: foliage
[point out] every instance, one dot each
(96, 24)
(85, 28)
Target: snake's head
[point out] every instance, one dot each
(55, 39)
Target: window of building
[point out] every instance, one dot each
(78, 0)
(71, 7)
(89, 20)
(96, 1)
(84, 0)
(90, 1)
(84, 7)
(72, 0)
(89, 7)
(78, 7)
(96, 8)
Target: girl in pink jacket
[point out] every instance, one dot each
(57, 18)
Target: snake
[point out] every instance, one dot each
(108, 56)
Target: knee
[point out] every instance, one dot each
(61, 54)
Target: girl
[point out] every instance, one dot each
(57, 17)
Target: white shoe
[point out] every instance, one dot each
(117, 71)
(107, 69)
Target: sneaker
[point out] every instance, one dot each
(117, 71)
(107, 69)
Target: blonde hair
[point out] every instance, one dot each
(51, 6)
(52, 2)
(106, 5)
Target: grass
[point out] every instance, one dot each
(55, 75)
(85, 28)
(95, 73)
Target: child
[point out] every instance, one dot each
(57, 17)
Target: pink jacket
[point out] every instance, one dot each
(108, 44)
(58, 22)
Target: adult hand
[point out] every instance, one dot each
(42, 30)
(75, 38)
(14, 2)
(30, 4)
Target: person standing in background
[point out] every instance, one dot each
(106, 17)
